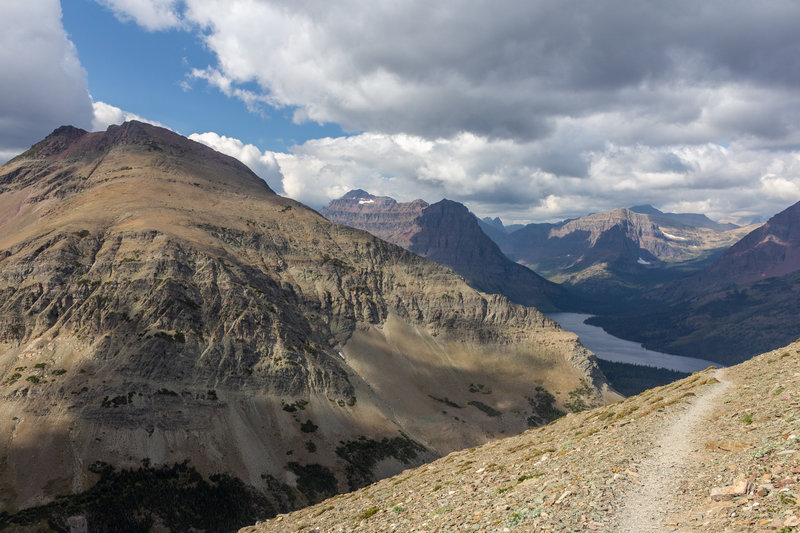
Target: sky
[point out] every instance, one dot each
(530, 110)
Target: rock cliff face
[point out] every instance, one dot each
(160, 304)
(446, 232)
(608, 253)
(381, 216)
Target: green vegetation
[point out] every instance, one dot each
(485, 408)
(81, 234)
(445, 401)
(544, 410)
(747, 419)
(363, 454)
(308, 426)
(630, 380)
(59, 372)
(178, 337)
(135, 500)
(315, 481)
(40, 365)
(478, 388)
(116, 401)
(14, 377)
(292, 407)
(579, 397)
(33, 379)
(369, 512)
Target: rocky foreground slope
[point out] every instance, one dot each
(163, 311)
(718, 451)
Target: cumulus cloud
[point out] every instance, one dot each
(106, 114)
(43, 85)
(497, 177)
(528, 110)
(151, 14)
(263, 164)
(503, 68)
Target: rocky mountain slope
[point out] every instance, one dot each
(619, 252)
(742, 304)
(446, 232)
(718, 451)
(160, 304)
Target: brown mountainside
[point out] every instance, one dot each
(771, 250)
(160, 304)
(446, 232)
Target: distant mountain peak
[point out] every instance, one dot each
(448, 233)
(356, 194)
(645, 209)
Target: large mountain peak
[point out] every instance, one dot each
(159, 304)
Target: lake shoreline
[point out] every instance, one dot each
(611, 348)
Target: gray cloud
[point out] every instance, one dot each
(43, 85)
(506, 68)
(539, 109)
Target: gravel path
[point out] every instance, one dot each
(648, 504)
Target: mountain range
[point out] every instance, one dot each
(676, 282)
(743, 303)
(181, 348)
(617, 253)
(446, 232)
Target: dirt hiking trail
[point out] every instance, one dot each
(649, 503)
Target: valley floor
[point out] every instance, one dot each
(647, 463)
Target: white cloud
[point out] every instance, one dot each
(151, 14)
(107, 114)
(527, 110)
(43, 85)
(263, 164)
(497, 177)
